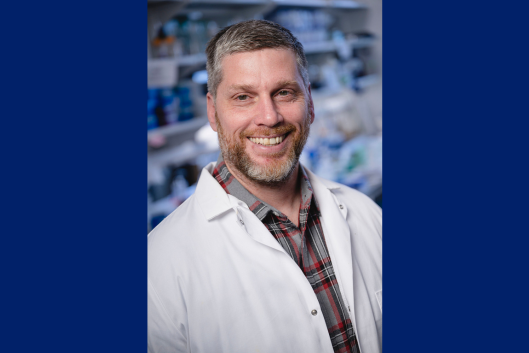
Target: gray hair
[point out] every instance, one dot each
(249, 36)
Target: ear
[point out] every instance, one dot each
(311, 106)
(211, 112)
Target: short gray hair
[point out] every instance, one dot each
(249, 36)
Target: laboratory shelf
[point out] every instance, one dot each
(178, 128)
(310, 48)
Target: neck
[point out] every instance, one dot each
(285, 197)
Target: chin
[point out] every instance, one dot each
(277, 172)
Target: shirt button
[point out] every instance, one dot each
(314, 312)
(341, 207)
(241, 221)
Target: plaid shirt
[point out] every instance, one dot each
(306, 245)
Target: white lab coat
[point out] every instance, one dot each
(218, 281)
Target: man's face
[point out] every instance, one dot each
(262, 114)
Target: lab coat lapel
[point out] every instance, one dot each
(337, 235)
(211, 197)
(257, 230)
(215, 201)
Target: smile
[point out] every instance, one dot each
(267, 141)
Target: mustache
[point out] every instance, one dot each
(264, 131)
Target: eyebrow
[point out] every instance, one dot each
(240, 88)
(247, 88)
(288, 83)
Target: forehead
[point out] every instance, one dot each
(259, 67)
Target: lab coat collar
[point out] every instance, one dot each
(210, 195)
(320, 185)
(215, 201)
(331, 185)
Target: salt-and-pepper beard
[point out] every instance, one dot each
(276, 172)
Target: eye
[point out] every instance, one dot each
(242, 97)
(283, 93)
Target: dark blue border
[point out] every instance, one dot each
(74, 177)
(455, 182)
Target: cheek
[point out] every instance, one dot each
(236, 125)
(233, 133)
(293, 112)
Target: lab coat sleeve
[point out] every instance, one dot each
(163, 335)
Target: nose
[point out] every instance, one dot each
(267, 113)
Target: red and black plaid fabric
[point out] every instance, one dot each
(306, 245)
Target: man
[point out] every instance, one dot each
(265, 256)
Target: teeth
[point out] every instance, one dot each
(267, 141)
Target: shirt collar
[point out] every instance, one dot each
(260, 208)
(214, 201)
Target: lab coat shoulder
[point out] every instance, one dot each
(182, 240)
(188, 227)
(179, 249)
(359, 207)
(167, 242)
(167, 272)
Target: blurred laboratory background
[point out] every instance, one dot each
(343, 44)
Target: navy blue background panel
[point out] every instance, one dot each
(74, 177)
(455, 177)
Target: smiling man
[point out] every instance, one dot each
(265, 256)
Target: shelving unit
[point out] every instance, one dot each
(195, 59)
(310, 48)
(179, 154)
(336, 4)
(366, 81)
(178, 145)
(178, 128)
